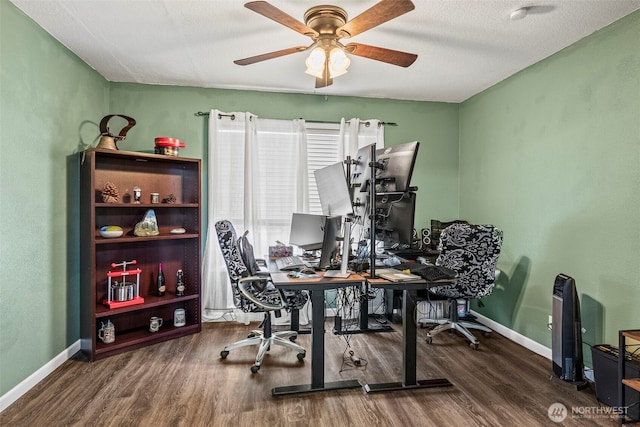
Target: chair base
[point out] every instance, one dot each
(257, 337)
(460, 326)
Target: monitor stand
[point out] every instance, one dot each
(337, 273)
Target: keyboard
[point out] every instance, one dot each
(428, 272)
(293, 262)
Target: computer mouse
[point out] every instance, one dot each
(307, 271)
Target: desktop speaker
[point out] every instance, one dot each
(425, 238)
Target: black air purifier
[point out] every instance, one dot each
(566, 343)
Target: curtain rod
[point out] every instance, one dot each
(220, 115)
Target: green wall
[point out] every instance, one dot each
(552, 156)
(50, 102)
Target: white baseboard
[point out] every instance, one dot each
(15, 393)
(514, 336)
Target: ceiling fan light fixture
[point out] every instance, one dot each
(338, 62)
(315, 62)
(314, 73)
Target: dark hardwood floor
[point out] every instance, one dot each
(185, 383)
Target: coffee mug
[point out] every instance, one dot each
(107, 333)
(179, 317)
(154, 323)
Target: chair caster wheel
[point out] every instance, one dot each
(429, 340)
(301, 356)
(474, 345)
(254, 369)
(251, 335)
(224, 354)
(293, 338)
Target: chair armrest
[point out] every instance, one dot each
(251, 296)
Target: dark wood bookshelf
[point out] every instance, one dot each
(172, 177)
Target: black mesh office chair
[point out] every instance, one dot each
(471, 250)
(255, 294)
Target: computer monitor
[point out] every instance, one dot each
(395, 213)
(307, 231)
(395, 167)
(360, 169)
(333, 190)
(330, 243)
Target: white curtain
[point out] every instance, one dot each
(242, 149)
(356, 133)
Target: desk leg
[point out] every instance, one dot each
(409, 343)
(317, 355)
(317, 339)
(409, 352)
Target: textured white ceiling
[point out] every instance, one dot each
(463, 46)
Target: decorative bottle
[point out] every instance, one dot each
(160, 281)
(180, 286)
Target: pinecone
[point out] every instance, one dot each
(110, 193)
(171, 198)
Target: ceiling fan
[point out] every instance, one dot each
(326, 25)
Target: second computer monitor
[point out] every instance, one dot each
(307, 231)
(395, 167)
(395, 214)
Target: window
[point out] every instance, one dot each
(323, 149)
(260, 172)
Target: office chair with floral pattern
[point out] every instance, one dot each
(472, 251)
(253, 293)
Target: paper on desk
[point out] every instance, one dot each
(394, 275)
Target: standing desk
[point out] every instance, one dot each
(409, 337)
(316, 287)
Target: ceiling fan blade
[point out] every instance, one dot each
(266, 9)
(390, 56)
(379, 13)
(270, 55)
